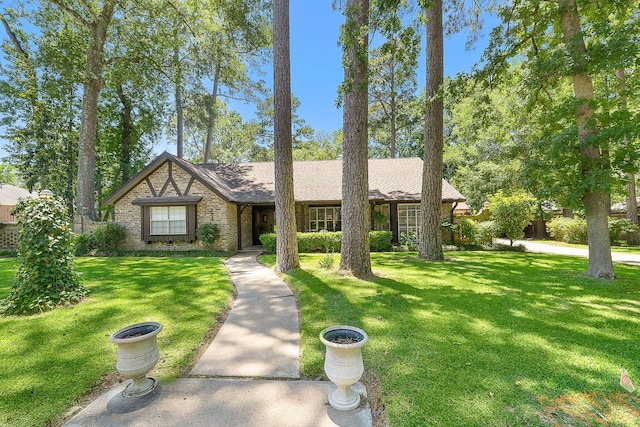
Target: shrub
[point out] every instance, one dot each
(208, 234)
(487, 231)
(268, 241)
(568, 230)
(323, 241)
(621, 228)
(327, 261)
(409, 240)
(327, 241)
(380, 241)
(512, 213)
(46, 275)
(468, 231)
(82, 244)
(109, 235)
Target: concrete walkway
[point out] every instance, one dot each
(541, 247)
(249, 375)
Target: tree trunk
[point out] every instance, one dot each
(595, 199)
(632, 201)
(178, 101)
(211, 113)
(286, 241)
(430, 234)
(85, 192)
(355, 216)
(125, 144)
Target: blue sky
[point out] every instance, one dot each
(316, 61)
(316, 65)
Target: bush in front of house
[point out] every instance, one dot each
(108, 235)
(487, 231)
(621, 229)
(46, 275)
(322, 241)
(327, 241)
(82, 244)
(380, 241)
(568, 230)
(468, 231)
(208, 234)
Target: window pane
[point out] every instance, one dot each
(168, 220)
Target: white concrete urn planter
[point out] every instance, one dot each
(343, 363)
(137, 355)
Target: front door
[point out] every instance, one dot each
(263, 221)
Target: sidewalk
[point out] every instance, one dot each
(541, 247)
(249, 375)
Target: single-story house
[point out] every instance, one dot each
(9, 196)
(164, 203)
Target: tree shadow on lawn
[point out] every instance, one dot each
(482, 338)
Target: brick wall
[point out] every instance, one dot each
(9, 236)
(211, 208)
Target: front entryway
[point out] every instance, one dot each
(263, 221)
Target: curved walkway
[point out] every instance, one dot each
(249, 376)
(541, 247)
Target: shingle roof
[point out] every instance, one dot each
(314, 181)
(10, 194)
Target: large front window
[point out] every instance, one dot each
(324, 218)
(408, 217)
(165, 220)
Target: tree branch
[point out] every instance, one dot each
(74, 14)
(13, 38)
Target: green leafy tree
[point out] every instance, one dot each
(511, 214)
(570, 52)
(46, 275)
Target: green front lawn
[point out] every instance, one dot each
(51, 360)
(496, 339)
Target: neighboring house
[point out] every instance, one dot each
(9, 196)
(164, 203)
(619, 210)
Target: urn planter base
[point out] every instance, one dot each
(343, 398)
(140, 387)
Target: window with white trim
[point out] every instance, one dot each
(324, 218)
(408, 217)
(166, 220)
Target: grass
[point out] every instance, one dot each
(495, 339)
(51, 360)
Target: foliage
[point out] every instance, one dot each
(54, 360)
(513, 213)
(569, 230)
(409, 240)
(621, 228)
(490, 315)
(327, 260)
(268, 241)
(468, 231)
(487, 231)
(380, 241)
(208, 234)
(82, 244)
(108, 235)
(327, 241)
(46, 275)
(574, 230)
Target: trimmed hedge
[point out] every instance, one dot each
(326, 241)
